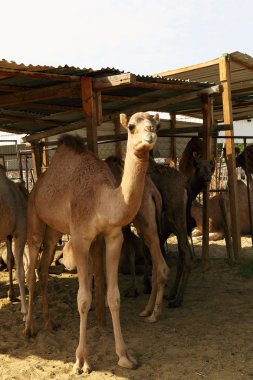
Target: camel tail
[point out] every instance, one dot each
(73, 142)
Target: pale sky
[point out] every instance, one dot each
(140, 36)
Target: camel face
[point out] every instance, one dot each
(142, 129)
(204, 169)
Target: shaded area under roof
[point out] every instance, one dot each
(241, 67)
(34, 99)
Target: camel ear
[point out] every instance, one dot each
(196, 156)
(157, 120)
(123, 120)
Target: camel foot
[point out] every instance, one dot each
(80, 368)
(173, 303)
(145, 313)
(128, 361)
(151, 319)
(11, 295)
(131, 293)
(13, 299)
(29, 333)
(52, 326)
(56, 269)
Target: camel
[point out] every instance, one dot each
(192, 151)
(241, 160)
(216, 229)
(147, 222)
(13, 206)
(78, 196)
(173, 189)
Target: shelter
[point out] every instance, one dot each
(234, 72)
(43, 101)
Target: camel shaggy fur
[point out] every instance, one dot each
(78, 195)
(13, 221)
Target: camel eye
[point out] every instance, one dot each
(131, 127)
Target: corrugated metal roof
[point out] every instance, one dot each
(41, 98)
(241, 66)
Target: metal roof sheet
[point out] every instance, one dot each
(241, 66)
(41, 98)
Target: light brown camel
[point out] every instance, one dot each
(216, 229)
(77, 195)
(13, 222)
(147, 222)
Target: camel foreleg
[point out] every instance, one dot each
(81, 248)
(113, 243)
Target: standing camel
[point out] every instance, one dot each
(13, 222)
(78, 195)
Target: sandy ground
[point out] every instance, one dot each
(209, 337)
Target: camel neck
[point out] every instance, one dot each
(196, 185)
(128, 195)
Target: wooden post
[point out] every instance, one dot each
(224, 67)
(173, 146)
(36, 159)
(92, 108)
(90, 112)
(207, 106)
(44, 158)
(118, 148)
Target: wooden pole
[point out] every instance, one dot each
(36, 159)
(44, 158)
(224, 67)
(92, 108)
(207, 108)
(173, 144)
(90, 112)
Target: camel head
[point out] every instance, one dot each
(204, 169)
(142, 129)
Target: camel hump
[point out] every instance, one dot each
(73, 142)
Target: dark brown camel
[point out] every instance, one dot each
(247, 154)
(78, 195)
(13, 221)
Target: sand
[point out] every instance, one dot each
(209, 337)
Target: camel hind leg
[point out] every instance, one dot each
(19, 245)
(10, 265)
(49, 246)
(183, 270)
(36, 233)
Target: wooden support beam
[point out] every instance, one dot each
(37, 74)
(54, 131)
(112, 81)
(154, 105)
(92, 108)
(188, 68)
(69, 90)
(225, 79)
(36, 159)
(44, 156)
(206, 104)
(173, 143)
(89, 110)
